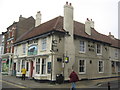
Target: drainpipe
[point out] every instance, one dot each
(52, 59)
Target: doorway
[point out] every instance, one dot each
(31, 68)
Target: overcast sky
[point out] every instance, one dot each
(103, 12)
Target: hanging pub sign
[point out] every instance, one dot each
(32, 50)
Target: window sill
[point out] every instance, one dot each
(40, 75)
(24, 54)
(43, 50)
(101, 72)
(83, 73)
(81, 52)
(99, 54)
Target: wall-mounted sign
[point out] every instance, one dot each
(32, 50)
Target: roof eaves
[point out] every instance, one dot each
(91, 39)
(36, 37)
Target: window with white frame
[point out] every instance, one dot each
(27, 66)
(82, 66)
(16, 51)
(49, 67)
(44, 43)
(23, 64)
(82, 46)
(116, 52)
(24, 48)
(101, 66)
(38, 66)
(18, 66)
(0, 50)
(113, 64)
(98, 49)
(43, 68)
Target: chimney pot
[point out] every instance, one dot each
(20, 15)
(91, 19)
(70, 4)
(109, 33)
(67, 3)
(38, 12)
(87, 19)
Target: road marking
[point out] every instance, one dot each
(12, 84)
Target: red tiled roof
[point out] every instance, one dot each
(115, 42)
(57, 24)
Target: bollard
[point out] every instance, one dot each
(108, 85)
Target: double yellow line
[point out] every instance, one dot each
(12, 84)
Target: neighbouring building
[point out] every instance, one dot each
(62, 44)
(14, 31)
(1, 49)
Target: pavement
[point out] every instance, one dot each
(28, 83)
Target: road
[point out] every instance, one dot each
(100, 86)
(6, 84)
(10, 82)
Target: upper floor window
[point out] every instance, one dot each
(116, 52)
(24, 48)
(32, 50)
(82, 66)
(3, 37)
(98, 49)
(82, 46)
(44, 43)
(101, 66)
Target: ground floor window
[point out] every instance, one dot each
(23, 64)
(49, 67)
(118, 66)
(43, 68)
(82, 66)
(27, 66)
(115, 67)
(101, 66)
(38, 66)
(18, 66)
